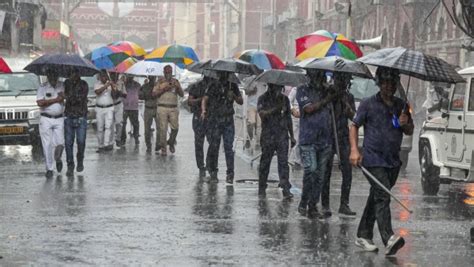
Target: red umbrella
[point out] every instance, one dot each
(4, 66)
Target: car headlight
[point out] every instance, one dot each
(34, 114)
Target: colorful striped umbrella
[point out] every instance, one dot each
(4, 68)
(123, 66)
(181, 55)
(263, 59)
(130, 48)
(106, 57)
(323, 43)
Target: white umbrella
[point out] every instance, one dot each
(150, 68)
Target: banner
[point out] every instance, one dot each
(2, 19)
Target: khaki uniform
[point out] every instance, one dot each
(168, 111)
(150, 115)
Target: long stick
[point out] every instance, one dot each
(372, 177)
(334, 128)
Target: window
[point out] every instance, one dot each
(457, 101)
(471, 96)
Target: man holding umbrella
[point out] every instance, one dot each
(50, 99)
(150, 113)
(385, 120)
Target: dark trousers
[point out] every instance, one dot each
(346, 170)
(75, 128)
(315, 161)
(216, 130)
(199, 128)
(133, 116)
(378, 205)
(149, 116)
(269, 147)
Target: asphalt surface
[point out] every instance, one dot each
(133, 208)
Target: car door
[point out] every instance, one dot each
(455, 129)
(469, 131)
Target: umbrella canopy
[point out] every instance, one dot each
(337, 64)
(4, 68)
(323, 43)
(203, 68)
(123, 66)
(106, 57)
(199, 67)
(235, 66)
(262, 59)
(282, 77)
(213, 74)
(130, 48)
(181, 55)
(63, 64)
(414, 63)
(149, 68)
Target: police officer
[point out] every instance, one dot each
(385, 119)
(118, 95)
(275, 112)
(150, 115)
(344, 110)
(218, 107)
(50, 99)
(104, 110)
(196, 93)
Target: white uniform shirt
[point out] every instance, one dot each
(105, 98)
(46, 91)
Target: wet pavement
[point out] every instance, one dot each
(130, 208)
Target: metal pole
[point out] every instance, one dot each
(372, 177)
(334, 127)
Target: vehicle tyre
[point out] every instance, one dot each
(404, 159)
(429, 173)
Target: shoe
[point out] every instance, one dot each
(366, 244)
(213, 178)
(163, 151)
(286, 193)
(302, 209)
(313, 213)
(346, 211)
(262, 191)
(109, 148)
(202, 173)
(59, 165)
(172, 149)
(148, 149)
(247, 144)
(394, 244)
(80, 167)
(118, 143)
(326, 212)
(49, 174)
(137, 142)
(99, 150)
(70, 171)
(229, 178)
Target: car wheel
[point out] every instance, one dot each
(429, 173)
(404, 159)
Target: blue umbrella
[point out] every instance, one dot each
(63, 64)
(106, 57)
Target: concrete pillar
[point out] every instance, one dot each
(37, 29)
(15, 37)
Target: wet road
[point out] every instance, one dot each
(131, 208)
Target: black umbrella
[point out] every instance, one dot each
(198, 67)
(63, 64)
(282, 77)
(338, 64)
(235, 66)
(213, 74)
(414, 63)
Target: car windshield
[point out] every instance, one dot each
(12, 84)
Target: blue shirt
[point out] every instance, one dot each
(382, 140)
(315, 128)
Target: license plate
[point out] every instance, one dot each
(11, 130)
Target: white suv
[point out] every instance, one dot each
(19, 114)
(447, 143)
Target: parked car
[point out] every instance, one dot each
(446, 143)
(362, 88)
(19, 113)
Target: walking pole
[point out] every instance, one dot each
(372, 177)
(334, 128)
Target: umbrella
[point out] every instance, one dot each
(202, 68)
(414, 63)
(213, 74)
(262, 59)
(235, 66)
(149, 68)
(282, 77)
(337, 64)
(180, 54)
(106, 57)
(63, 64)
(129, 48)
(323, 43)
(199, 67)
(4, 68)
(123, 66)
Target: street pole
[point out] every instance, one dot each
(349, 22)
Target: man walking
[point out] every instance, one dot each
(344, 109)
(50, 99)
(275, 111)
(218, 107)
(196, 93)
(150, 115)
(316, 139)
(118, 94)
(75, 124)
(385, 119)
(104, 110)
(130, 109)
(168, 89)
(254, 123)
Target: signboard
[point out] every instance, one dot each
(2, 19)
